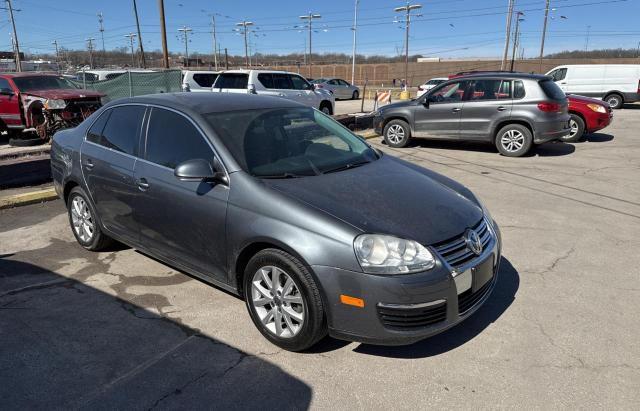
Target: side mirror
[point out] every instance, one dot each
(425, 102)
(200, 170)
(6, 92)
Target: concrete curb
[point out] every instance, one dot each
(367, 134)
(32, 197)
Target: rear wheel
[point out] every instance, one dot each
(397, 133)
(84, 223)
(325, 107)
(514, 140)
(615, 100)
(283, 300)
(576, 124)
(355, 95)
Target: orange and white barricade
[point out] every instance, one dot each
(382, 97)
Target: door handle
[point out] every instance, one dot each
(455, 110)
(88, 164)
(143, 185)
(502, 108)
(563, 82)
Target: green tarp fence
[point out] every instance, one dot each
(132, 84)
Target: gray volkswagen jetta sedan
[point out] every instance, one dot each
(280, 204)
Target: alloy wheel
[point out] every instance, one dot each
(512, 140)
(277, 301)
(82, 219)
(573, 125)
(395, 134)
(613, 101)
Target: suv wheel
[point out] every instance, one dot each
(576, 124)
(83, 221)
(514, 140)
(283, 300)
(614, 100)
(325, 107)
(397, 133)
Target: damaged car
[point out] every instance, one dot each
(33, 106)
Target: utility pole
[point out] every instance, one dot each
(407, 9)
(131, 37)
(508, 36)
(142, 59)
(163, 34)
(544, 32)
(55, 43)
(185, 32)
(310, 17)
(15, 37)
(355, 29)
(90, 41)
(215, 42)
(244, 24)
(515, 37)
(226, 59)
(586, 42)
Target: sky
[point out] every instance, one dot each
(445, 28)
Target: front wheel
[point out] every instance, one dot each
(397, 133)
(283, 300)
(355, 95)
(514, 140)
(576, 125)
(614, 100)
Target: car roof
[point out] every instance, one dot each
(502, 74)
(244, 71)
(30, 74)
(210, 102)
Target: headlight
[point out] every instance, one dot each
(384, 254)
(597, 107)
(55, 104)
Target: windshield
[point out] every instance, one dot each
(289, 142)
(42, 83)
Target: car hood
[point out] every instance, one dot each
(387, 196)
(391, 106)
(573, 99)
(65, 94)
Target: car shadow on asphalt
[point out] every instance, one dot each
(68, 345)
(596, 138)
(552, 149)
(500, 300)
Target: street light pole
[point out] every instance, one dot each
(185, 31)
(215, 42)
(310, 18)
(132, 36)
(55, 43)
(355, 29)
(244, 24)
(507, 38)
(90, 46)
(586, 43)
(544, 32)
(515, 37)
(407, 9)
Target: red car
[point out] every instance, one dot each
(588, 115)
(42, 104)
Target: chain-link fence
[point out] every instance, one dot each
(130, 84)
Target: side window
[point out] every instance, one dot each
(94, 134)
(204, 79)
(299, 83)
(489, 90)
(558, 74)
(449, 93)
(333, 82)
(123, 128)
(343, 83)
(232, 80)
(172, 139)
(282, 81)
(266, 79)
(518, 89)
(4, 84)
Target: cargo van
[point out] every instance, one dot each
(614, 83)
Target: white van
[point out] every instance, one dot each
(283, 84)
(614, 83)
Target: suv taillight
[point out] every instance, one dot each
(548, 107)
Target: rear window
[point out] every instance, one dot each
(232, 80)
(205, 79)
(552, 90)
(518, 89)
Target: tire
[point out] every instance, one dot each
(576, 123)
(355, 95)
(302, 323)
(325, 107)
(25, 142)
(397, 133)
(615, 100)
(78, 205)
(514, 140)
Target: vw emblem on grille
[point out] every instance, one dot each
(473, 242)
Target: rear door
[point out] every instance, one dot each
(183, 221)
(202, 81)
(108, 157)
(486, 103)
(439, 117)
(304, 91)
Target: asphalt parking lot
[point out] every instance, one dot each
(561, 330)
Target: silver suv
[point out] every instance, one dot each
(283, 84)
(512, 111)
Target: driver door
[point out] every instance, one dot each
(438, 114)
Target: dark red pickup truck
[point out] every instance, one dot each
(41, 104)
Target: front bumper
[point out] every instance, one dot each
(598, 121)
(404, 309)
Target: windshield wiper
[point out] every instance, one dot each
(283, 175)
(346, 166)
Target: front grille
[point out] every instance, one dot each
(412, 318)
(468, 299)
(455, 251)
